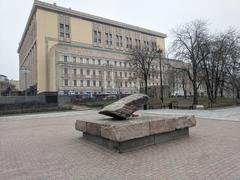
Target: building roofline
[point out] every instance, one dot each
(85, 16)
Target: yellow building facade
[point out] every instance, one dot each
(73, 52)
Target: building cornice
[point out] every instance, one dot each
(85, 16)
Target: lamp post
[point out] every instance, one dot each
(160, 72)
(25, 70)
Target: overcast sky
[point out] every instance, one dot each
(159, 15)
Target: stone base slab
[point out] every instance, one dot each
(136, 132)
(137, 143)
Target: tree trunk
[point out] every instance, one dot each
(194, 82)
(195, 96)
(195, 93)
(238, 93)
(221, 90)
(146, 92)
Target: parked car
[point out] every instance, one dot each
(110, 97)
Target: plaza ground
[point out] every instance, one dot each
(47, 146)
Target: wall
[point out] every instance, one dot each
(47, 26)
(161, 43)
(81, 30)
(21, 99)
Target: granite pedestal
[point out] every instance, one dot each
(135, 132)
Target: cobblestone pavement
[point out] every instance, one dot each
(46, 146)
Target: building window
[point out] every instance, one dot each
(99, 37)
(81, 60)
(88, 72)
(100, 83)
(120, 74)
(127, 42)
(64, 30)
(121, 41)
(94, 83)
(125, 74)
(99, 72)
(110, 39)
(75, 71)
(81, 71)
(65, 82)
(117, 40)
(67, 31)
(130, 43)
(74, 59)
(126, 84)
(108, 74)
(93, 61)
(138, 43)
(147, 45)
(120, 64)
(95, 36)
(115, 74)
(61, 30)
(99, 62)
(108, 62)
(87, 61)
(75, 82)
(154, 45)
(108, 83)
(65, 70)
(106, 38)
(94, 73)
(88, 83)
(65, 58)
(115, 63)
(81, 83)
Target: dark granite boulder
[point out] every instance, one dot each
(125, 107)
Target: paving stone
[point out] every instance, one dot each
(46, 146)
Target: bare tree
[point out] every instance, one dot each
(189, 39)
(219, 49)
(232, 67)
(142, 63)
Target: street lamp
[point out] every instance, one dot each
(25, 70)
(160, 67)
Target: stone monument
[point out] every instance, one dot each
(124, 132)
